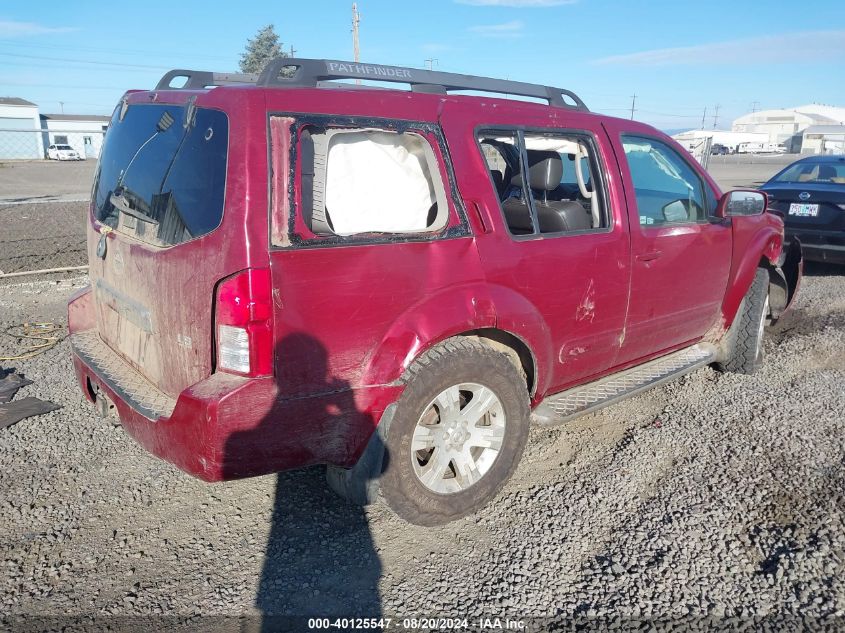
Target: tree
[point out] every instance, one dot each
(261, 49)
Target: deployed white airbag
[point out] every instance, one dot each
(378, 181)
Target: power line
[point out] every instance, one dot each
(83, 61)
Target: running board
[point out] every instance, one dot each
(567, 405)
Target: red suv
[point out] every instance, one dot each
(290, 270)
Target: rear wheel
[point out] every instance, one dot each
(458, 433)
(743, 344)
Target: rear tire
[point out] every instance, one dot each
(458, 433)
(743, 343)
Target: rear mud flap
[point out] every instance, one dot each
(785, 279)
(360, 484)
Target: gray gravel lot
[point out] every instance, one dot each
(704, 502)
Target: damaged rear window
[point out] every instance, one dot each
(162, 172)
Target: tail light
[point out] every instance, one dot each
(244, 323)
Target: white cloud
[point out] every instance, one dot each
(813, 46)
(9, 28)
(506, 29)
(521, 4)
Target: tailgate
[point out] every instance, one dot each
(158, 197)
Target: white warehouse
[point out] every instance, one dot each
(787, 125)
(83, 132)
(18, 125)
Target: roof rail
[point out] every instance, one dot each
(300, 72)
(200, 79)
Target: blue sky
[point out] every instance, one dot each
(678, 57)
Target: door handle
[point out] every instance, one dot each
(649, 256)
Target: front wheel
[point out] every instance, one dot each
(743, 343)
(459, 431)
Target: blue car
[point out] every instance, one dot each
(810, 196)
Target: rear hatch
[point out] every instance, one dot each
(157, 201)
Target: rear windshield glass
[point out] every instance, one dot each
(814, 172)
(160, 177)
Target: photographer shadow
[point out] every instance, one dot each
(320, 560)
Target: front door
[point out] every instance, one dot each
(681, 256)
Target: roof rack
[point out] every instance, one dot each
(296, 72)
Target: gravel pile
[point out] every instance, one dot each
(708, 502)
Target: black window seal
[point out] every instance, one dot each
(388, 124)
(520, 131)
(708, 212)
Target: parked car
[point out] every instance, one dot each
(718, 149)
(395, 284)
(62, 152)
(809, 195)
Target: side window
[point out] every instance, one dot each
(545, 181)
(360, 180)
(668, 190)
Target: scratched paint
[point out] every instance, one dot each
(587, 308)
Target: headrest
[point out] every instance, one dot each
(545, 169)
(826, 172)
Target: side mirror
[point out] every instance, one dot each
(742, 202)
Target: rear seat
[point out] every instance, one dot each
(545, 170)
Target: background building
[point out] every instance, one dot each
(83, 132)
(19, 124)
(787, 126)
(25, 134)
(824, 139)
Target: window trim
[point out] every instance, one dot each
(705, 186)
(426, 129)
(519, 131)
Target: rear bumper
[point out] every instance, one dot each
(818, 245)
(229, 427)
(226, 427)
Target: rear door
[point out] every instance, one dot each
(371, 250)
(155, 250)
(548, 243)
(681, 256)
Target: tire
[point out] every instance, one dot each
(465, 453)
(743, 344)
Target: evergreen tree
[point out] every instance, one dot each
(261, 49)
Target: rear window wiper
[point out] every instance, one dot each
(122, 204)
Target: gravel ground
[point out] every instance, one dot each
(718, 496)
(706, 502)
(38, 235)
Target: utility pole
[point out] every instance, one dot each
(62, 106)
(356, 51)
(754, 105)
(633, 103)
(716, 116)
(429, 63)
(292, 51)
(703, 116)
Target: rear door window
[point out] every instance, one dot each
(162, 172)
(544, 181)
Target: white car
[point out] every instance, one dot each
(62, 152)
